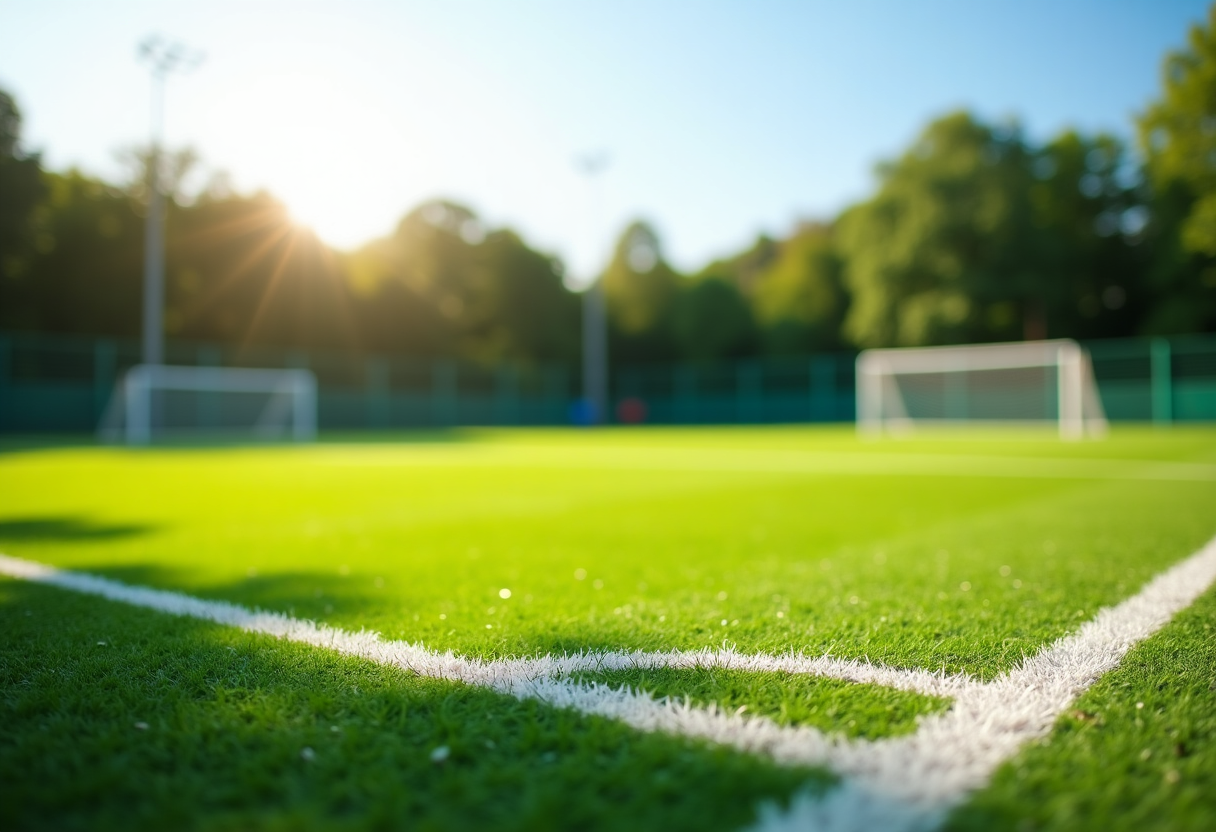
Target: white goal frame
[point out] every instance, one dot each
(292, 400)
(881, 407)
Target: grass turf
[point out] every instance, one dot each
(938, 552)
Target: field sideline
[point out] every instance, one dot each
(715, 567)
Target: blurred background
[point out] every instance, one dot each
(409, 198)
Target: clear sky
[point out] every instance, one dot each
(721, 119)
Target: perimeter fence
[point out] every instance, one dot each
(63, 384)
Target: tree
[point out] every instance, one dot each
(1178, 138)
(940, 250)
(640, 289)
(82, 274)
(21, 190)
(1087, 244)
(799, 297)
(712, 321)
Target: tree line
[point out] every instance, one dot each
(974, 233)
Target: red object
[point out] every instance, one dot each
(631, 411)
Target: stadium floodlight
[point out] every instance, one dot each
(162, 58)
(154, 400)
(1031, 382)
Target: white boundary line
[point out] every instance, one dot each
(904, 783)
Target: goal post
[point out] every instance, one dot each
(1031, 382)
(155, 401)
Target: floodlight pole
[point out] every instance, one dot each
(595, 324)
(162, 58)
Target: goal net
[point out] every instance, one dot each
(1033, 382)
(156, 401)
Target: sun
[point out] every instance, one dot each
(312, 144)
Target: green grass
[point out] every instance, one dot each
(942, 552)
(831, 705)
(1138, 750)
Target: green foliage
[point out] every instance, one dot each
(481, 294)
(800, 297)
(1178, 133)
(83, 273)
(1178, 139)
(974, 233)
(712, 321)
(944, 239)
(21, 190)
(640, 291)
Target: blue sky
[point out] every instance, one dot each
(721, 119)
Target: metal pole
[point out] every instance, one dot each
(595, 325)
(162, 58)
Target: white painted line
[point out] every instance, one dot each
(501, 674)
(911, 783)
(906, 783)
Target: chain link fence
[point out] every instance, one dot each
(63, 384)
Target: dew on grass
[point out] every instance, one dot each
(722, 596)
(335, 729)
(723, 622)
(580, 574)
(504, 593)
(662, 618)
(489, 626)
(1172, 776)
(440, 755)
(443, 616)
(1139, 706)
(1146, 753)
(598, 584)
(965, 586)
(854, 600)
(780, 614)
(1017, 584)
(141, 726)
(307, 754)
(1005, 571)
(101, 644)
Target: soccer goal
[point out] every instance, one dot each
(1032, 382)
(154, 401)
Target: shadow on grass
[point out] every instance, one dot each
(65, 529)
(114, 717)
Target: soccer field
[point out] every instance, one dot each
(711, 629)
